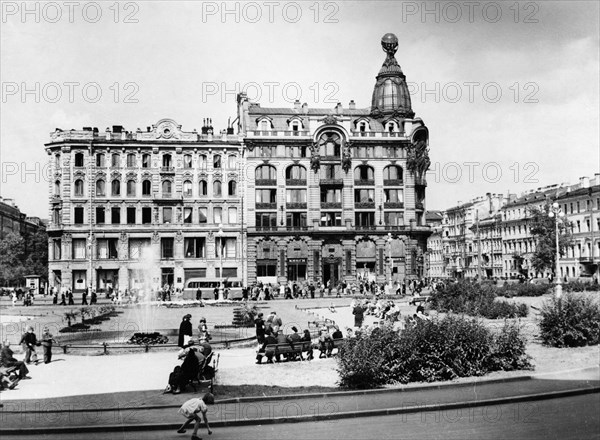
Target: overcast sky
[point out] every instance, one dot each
(186, 60)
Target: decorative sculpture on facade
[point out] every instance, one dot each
(347, 157)
(315, 157)
(417, 158)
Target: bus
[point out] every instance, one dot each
(208, 285)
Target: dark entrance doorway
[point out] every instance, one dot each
(331, 271)
(167, 276)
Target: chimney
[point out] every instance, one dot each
(297, 105)
(305, 108)
(338, 108)
(352, 105)
(597, 179)
(584, 182)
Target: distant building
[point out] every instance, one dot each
(434, 262)
(15, 221)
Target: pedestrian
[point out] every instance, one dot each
(260, 329)
(29, 341)
(203, 328)
(190, 410)
(70, 297)
(47, 341)
(185, 330)
(94, 298)
(199, 294)
(359, 315)
(84, 296)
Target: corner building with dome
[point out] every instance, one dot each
(336, 194)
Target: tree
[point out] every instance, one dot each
(12, 252)
(543, 230)
(36, 254)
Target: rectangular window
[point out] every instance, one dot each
(79, 248)
(296, 220)
(137, 246)
(394, 218)
(131, 216)
(217, 216)
(195, 247)
(266, 196)
(331, 219)
(233, 217)
(146, 215)
(79, 214)
(115, 216)
(166, 247)
(167, 215)
(56, 250)
(228, 272)
(266, 270)
(266, 220)
(107, 248)
(202, 215)
(348, 262)
(331, 196)
(100, 215)
(296, 196)
(187, 215)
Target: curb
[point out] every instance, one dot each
(312, 418)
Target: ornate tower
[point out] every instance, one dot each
(390, 95)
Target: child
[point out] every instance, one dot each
(190, 410)
(47, 341)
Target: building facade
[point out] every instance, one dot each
(144, 208)
(12, 220)
(337, 194)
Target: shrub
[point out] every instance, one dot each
(429, 351)
(477, 300)
(525, 289)
(571, 321)
(579, 286)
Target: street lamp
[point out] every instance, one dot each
(556, 213)
(389, 240)
(221, 287)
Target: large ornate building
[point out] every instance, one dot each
(339, 193)
(127, 205)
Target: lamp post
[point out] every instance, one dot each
(221, 287)
(556, 213)
(389, 241)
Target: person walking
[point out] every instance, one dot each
(70, 297)
(185, 329)
(190, 410)
(29, 341)
(47, 341)
(84, 296)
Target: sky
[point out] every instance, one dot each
(508, 90)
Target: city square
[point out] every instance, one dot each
(289, 249)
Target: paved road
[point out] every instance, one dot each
(576, 417)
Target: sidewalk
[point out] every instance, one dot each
(151, 410)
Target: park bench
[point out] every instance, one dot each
(337, 343)
(206, 373)
(275, 350)
(419, 299)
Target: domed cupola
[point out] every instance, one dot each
(390, 95)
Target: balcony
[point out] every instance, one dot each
(266, 228)
(364, 182)
(393, 182)
(296, 228)
(393, 205)
(331, 182)
(364, 205)
(266, 205)
(295, 182)
(265, 182)
(586, 260)
(297, 205)
(365, 227)
(331, 205)
(167, 170)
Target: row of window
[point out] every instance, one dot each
(166, 187)
(329, 195)
(268, 220)
(108, 248)
(299, 152)
(296, 124)
(131, 160)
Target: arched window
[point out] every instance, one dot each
(100, 188)
(217, 161)
(232, 188)
(330, 144)
(231, 161)
(116, 187)
(100, 160)
(392, 172)
(202, 188)
(187, 188)
(78, 159)
(391, 127)
(265, 172)
(364, 173)
(131, 188)
(79, 188)
(145, 160)
(57, 188)
(265, 125)
(166, 188)
(187, 161)
(217, 188)
(115, 160)
(131, 160)
(146, 187)
(295, 172)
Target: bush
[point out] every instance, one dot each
(429, 351)
(571, 321)
(525, 289)
(579, 286)
(477, 300)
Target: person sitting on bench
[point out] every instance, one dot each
(8, 360)
(269, 340)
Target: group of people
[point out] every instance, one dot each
(194, 355)
(13, 370)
